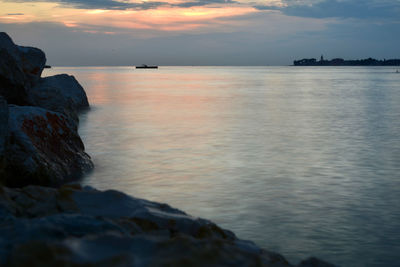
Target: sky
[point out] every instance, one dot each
(203, 32)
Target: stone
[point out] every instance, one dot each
(44, 148)
(61, 93)
(314, 262)
(33, 61)
(20, 68)
(110, 228)
(3, 133)
(12, 77)
(41, 147)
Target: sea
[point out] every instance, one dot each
(304, 161)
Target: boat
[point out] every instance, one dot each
(144, 66)
(47, 66)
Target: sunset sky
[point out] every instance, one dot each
(203, 32)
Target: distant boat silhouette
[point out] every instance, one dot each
(144, 66)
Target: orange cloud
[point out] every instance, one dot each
(167, 18)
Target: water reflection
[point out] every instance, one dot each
(301, 160)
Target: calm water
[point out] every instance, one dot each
(303, 161)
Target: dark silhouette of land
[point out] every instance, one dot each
(342, 62)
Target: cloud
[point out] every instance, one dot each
(94, 48)
(204, 3)
(119, 5)
(261, 38)
(15, 14)
(362, 9)
(100, 4)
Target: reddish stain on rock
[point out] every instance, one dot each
(49, 134)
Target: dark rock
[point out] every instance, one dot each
(44, 148)
(12, 77)
(314, 262)
(41, 147)
(3, 133)
(3, 124)
(60, 93)
(33, 61)
(110, 228)
(20, 68)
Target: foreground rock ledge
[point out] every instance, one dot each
(75, 226)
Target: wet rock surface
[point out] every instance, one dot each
(75, 226)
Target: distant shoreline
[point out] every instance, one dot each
(341, 62)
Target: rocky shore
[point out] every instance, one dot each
(47, 221)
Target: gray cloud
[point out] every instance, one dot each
(116, 5)
(340, 9)
(99, 4)
(204, 3)
(15, 14)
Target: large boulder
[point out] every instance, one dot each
(3, 124)
(33, 61)
(20, 68)
(44, 148)
(60, 93)
(3, 133)
(12, 77)
(75, 226)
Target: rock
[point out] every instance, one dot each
(41, 147)
(110, 228)
(3, 125)
(61, 93)
(33, 61)
(314, 262)
(3, 133)
(12, 77)
(44, 148)
(8, 45)
(20, 68)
